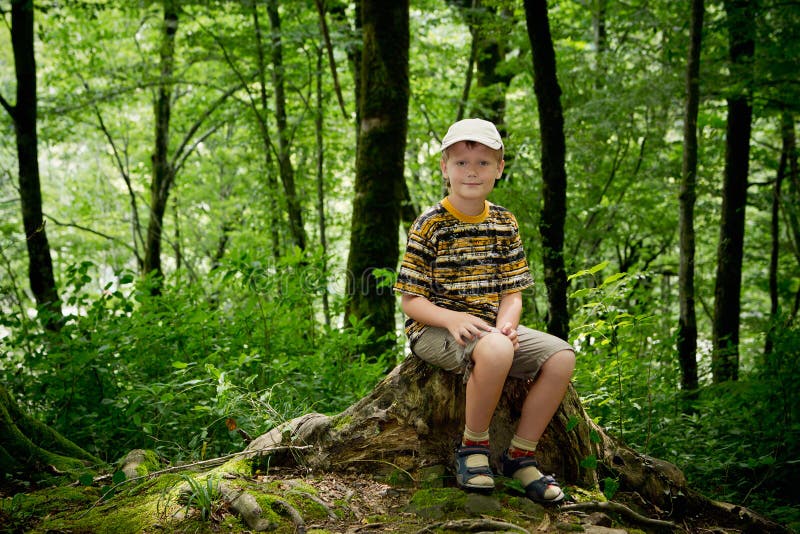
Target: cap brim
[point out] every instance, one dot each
(491, 143)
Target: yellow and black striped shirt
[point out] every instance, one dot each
(463, 263)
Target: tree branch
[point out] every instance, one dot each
(91, 231)
(327, 37)
(7, 106)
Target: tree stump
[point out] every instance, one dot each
(413, 418)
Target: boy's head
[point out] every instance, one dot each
(472, 132)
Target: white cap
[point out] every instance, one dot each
(478, 130)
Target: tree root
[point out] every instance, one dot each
(619, 508)
(297, 519)
(475, 525)
(246, 506)
(316, 499)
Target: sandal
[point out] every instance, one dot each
(537, 489)
(472, 461)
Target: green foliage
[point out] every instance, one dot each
(205, 498)
(194, 371)
(738, 442)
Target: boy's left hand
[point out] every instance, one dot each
(511, 333)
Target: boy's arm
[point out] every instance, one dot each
(508, 314)
(461, 325)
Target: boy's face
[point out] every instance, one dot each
(472, 170)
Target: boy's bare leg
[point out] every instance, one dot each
(492, 359)
(545, 395)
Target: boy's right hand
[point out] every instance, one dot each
(465, 327)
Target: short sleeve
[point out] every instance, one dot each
(515, 274)
(414, 276)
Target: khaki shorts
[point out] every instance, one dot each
(437, 347)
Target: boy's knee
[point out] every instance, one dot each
(562, 362)
(496, 346)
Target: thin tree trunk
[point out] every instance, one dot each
(24, 114)
(554, 176)
(687, 322)
(599, 11)
(323, 239)
(374, 234)
(163, 173)
(790, 206)
(492, 81)
(285, 168)
(787, 148)
(261, 117)
(727, 305)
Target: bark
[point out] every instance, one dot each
(687, 322)
(261, 110)
(319, 123)
(24, 115)
(492, 82)
(163, 173)
(285, 168)
(30, 448)
(727, 305)
(788, 148)
(554, 176)
(412, 419)
(379, 165)
(487, 54)
(791, 207)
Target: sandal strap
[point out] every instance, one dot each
(469, 450)
(536, 489)
(510, 465)
(465, 451)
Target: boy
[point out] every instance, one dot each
(460, 282)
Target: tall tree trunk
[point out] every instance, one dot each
(791, 206)
(599, 11)
(24, 115)
(375, 224)
(261, 112)
(319, 119)
(687, 322)
(285, 168)
(492, 81)
(788, 148)
(741, 17)
(554, 175)
(163, 173)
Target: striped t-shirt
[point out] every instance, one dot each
(463, 263)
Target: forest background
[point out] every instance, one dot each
(204, 203)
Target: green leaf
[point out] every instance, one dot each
(610, 487)
(613, 278)
(118, 478)
(590, 270)
(86, 479)
(580, 292)
(573, 422)
(594, 436)
(590, 462)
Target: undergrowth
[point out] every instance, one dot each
(192, 372)
(195, 371)
(738, 441)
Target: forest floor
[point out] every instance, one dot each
(290, 500)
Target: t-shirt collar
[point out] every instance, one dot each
(463, 217)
